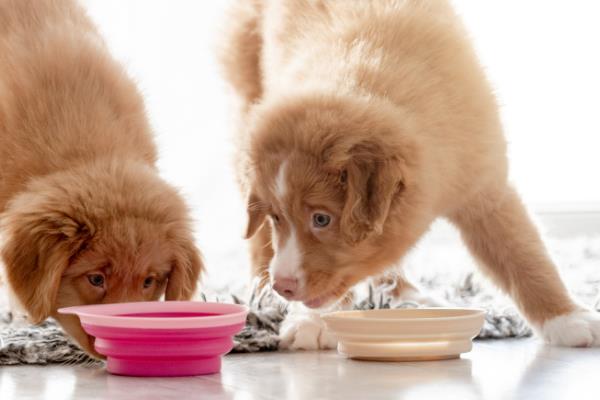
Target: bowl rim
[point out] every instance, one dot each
(352, 315)
(110, 315)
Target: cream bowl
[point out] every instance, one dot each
(405, 334)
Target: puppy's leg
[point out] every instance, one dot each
(500, 234)
(20, 319)
(304, 329)
(261, 253)
(403, 290)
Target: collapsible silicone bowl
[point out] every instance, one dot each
(405, 334)
(170, 338)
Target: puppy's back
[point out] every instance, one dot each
(63, 99)
(19, 16)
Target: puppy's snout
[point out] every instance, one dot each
(286, 287)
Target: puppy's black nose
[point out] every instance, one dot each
(286, 287)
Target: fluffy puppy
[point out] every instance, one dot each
(85, 217)
(361, 122)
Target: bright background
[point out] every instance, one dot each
(542, 57)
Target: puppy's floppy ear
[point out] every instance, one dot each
(186, 269)
(371, 179)
(256, 215)
(39, 244)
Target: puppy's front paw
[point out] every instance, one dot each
(577, 329)
(422, 299)
(305, 332)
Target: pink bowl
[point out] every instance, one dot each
(170, 338)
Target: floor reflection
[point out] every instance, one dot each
(561, 373)
(494, 370)
(326, 375)
(99, 384)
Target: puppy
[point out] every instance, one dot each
(361, 122)
(85, 217)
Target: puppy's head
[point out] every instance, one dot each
(327, 174)
(106, 233)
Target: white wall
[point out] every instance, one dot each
(543, 58)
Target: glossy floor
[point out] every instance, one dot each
(506, 369)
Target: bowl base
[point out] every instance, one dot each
(164, 367)
(409, 358)
(405, 350)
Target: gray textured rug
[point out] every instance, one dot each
(46, 343)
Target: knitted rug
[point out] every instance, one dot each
(47, 343)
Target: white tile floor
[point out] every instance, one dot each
(506, 369)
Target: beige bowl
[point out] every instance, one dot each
(405, 334)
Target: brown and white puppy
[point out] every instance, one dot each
(361, 122)
(85, 217)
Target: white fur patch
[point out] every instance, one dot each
(303, 329)
(280, 183)
(577, 329)
(287, 260)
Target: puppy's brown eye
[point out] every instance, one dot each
(275, 218)
(96, 280)
(149, 281)
(321, 220)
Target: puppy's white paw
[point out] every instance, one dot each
(577, 329)
(422, 299)
(305, 331)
